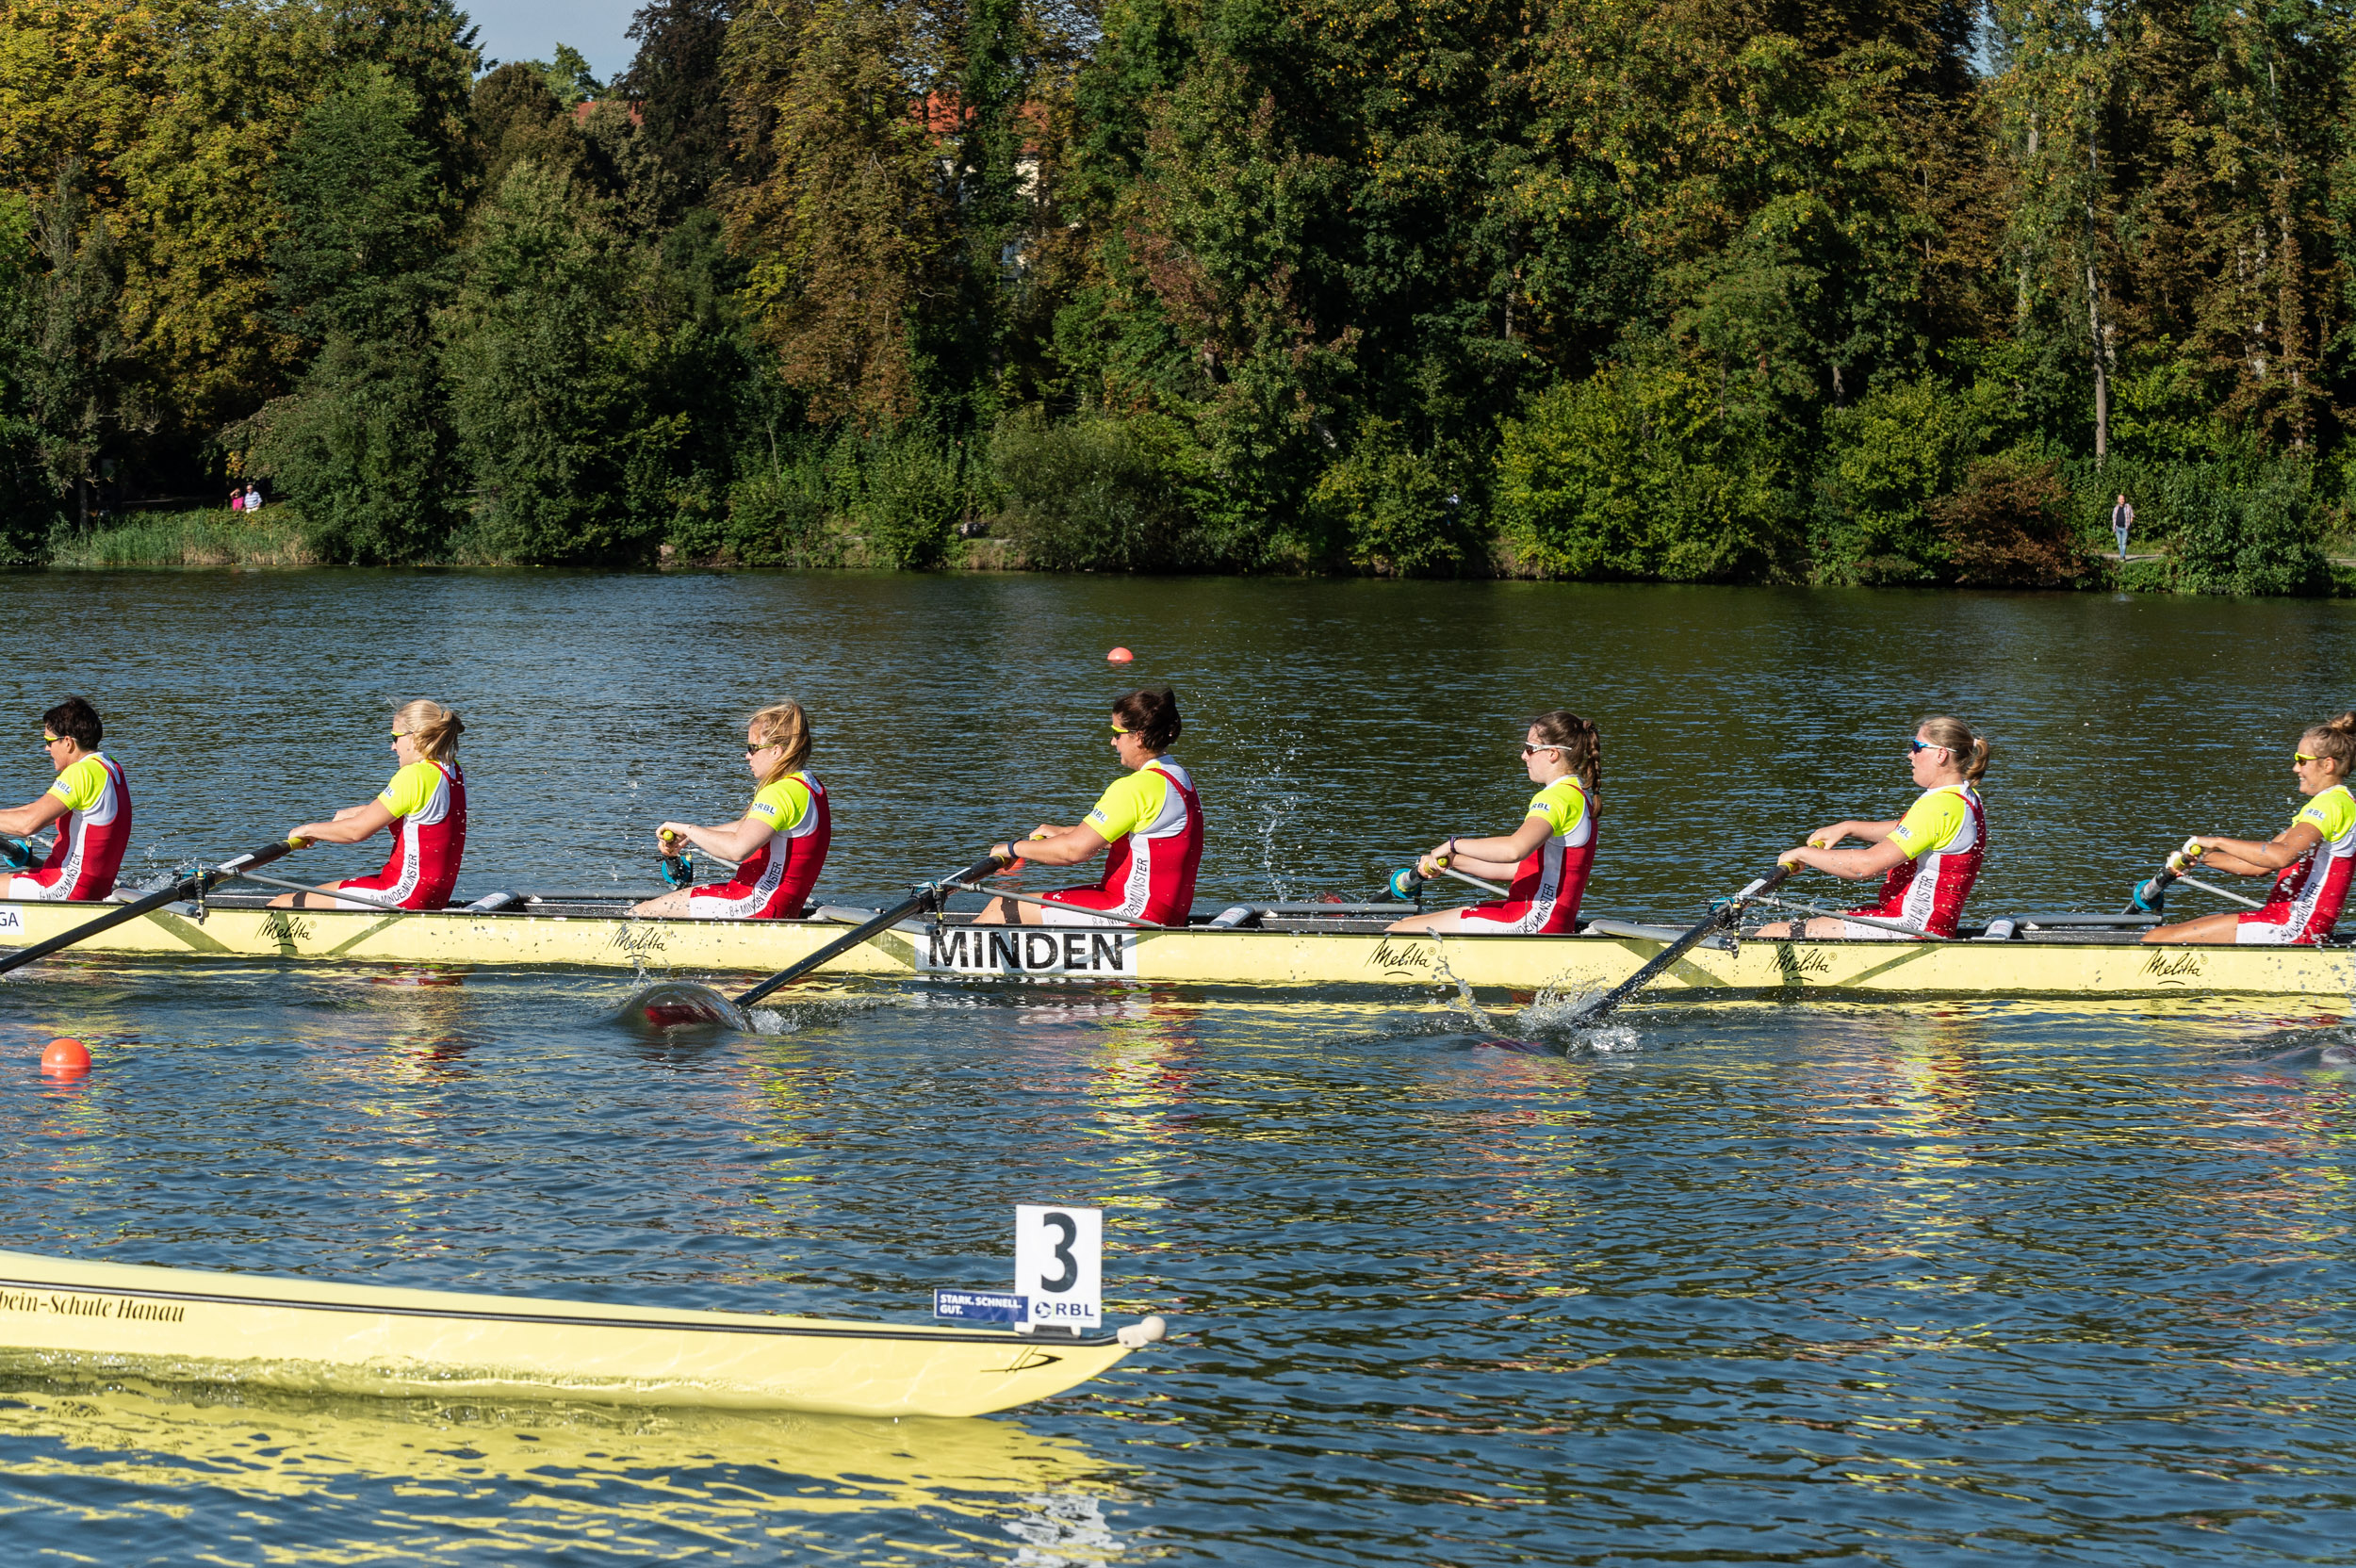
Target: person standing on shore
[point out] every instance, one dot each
(2122, 518)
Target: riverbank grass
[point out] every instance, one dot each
(211, 536)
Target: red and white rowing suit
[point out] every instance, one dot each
(97, 829)
(2309, 893)
(428, 800)
(1549, 884)
(774, 882)
(1154, 822)
(1944, 834)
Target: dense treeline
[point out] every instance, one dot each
(1862, 290)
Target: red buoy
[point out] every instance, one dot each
(1119, 656)
(65, 1060)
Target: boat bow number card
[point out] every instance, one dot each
(1059, 1265)
(1058, 1274)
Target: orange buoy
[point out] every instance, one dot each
(1119, 656)
(65, 1060)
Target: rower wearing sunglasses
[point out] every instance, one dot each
(1548, 856)
(92, 796)
(2311, 860)
(1150, 823)
(1927, 859)
(425, 805)
(779, 844)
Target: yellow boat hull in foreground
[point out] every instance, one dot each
(184, 1324)
(1201, 956)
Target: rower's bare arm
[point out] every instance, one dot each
(2249, 857)
(1499, 856)
(32, 816)
(729, 841)
(1853, 865)
(1063, 846)
(1865, 832)
(347, 826)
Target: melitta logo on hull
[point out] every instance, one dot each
(1026, 950)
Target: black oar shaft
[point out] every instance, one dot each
(191, 886)
(1679, 948)
(921, 898)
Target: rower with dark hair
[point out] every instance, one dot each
(1151, 821)
(93, 797)
(1548, 856)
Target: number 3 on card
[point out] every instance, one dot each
(1059, 1263)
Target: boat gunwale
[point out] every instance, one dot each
(737, 1323)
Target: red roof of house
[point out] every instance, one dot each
(581, 111)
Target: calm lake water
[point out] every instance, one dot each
(1848, 1283)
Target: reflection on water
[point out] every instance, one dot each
(1852, 1282)
(582, 1480)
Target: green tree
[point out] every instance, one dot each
(677, 80)
(28, 498)
(365, 442)
(550, 356)
(1641, 473)
(848, 223)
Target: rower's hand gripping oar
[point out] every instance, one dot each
(674, 1003)
(1404, 881)
(2150, 897)
(196, 885)
(1725, 914)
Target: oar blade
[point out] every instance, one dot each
(675, 1006)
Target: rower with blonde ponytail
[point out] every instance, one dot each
(779, 843)
(1927, 859)
(425, 804)
(2312, 860)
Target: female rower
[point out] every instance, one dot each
(1548, 856)
(778, 844)
(1927, 859)
(2310, 860)
(92, 796)
(425, 804)
(1151, 821)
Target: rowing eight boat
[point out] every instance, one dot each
(185, 1325)
(1275, 945)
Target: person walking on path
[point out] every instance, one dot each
(2122, 518)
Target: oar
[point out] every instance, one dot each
(348, 895)
(676, 1002)
(196, 885)
(1726, 914)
